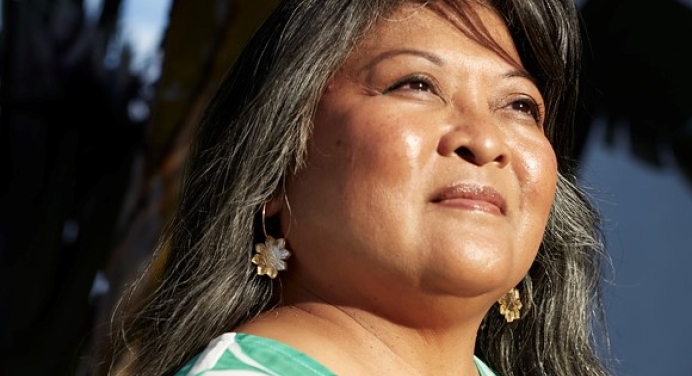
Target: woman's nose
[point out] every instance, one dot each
(477, 140)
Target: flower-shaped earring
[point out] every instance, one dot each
(271, 254)
(510, 304)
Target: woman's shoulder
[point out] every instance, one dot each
(239, 354)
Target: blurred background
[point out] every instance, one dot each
(98, 99)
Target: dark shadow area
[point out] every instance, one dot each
(637, 77)
(67, 142)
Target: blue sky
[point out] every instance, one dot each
(143, 23)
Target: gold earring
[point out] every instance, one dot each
(270, 254)
(510, 304)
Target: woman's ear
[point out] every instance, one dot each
(275, 203)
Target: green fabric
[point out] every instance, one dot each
(483, 368)
(237, 354)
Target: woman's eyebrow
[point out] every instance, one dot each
(393, 53)
(519, 73)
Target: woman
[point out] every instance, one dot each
(409, 157)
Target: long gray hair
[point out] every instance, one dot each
(255, 132)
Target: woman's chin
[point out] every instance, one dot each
(472, 281)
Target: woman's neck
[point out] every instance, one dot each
(357, 340)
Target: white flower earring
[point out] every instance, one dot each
(510, 305)
(271, 255)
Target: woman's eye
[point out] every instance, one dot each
(529, 107)
(415, 83)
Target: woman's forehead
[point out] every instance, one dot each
(422, 24)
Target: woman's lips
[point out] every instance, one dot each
(472, 197)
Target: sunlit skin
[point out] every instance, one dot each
(424, 198)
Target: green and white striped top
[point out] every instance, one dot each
(238, 354)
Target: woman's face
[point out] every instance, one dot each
(428, 171)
